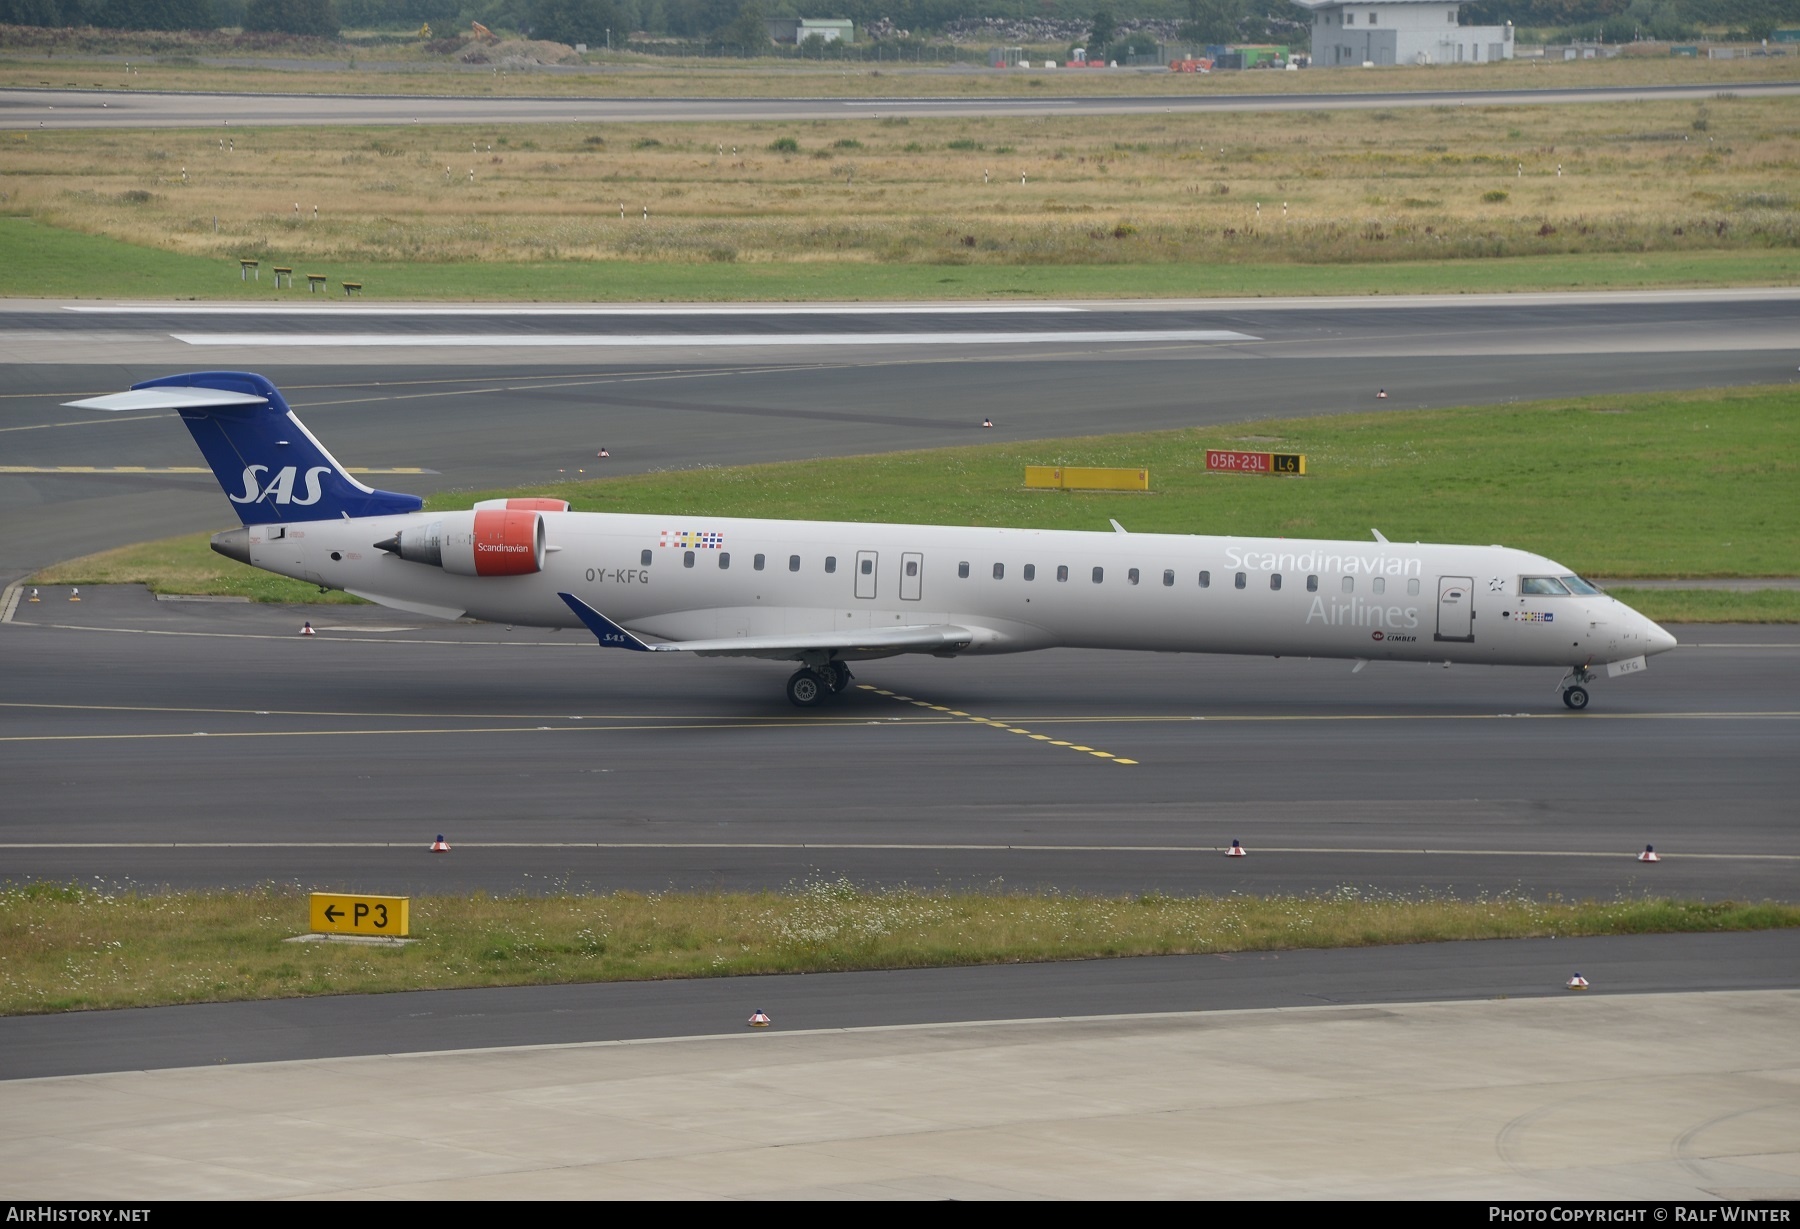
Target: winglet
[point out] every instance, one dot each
(608, 633)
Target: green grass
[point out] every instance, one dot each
(1694, 485)
(47, 262)
(1712, 605)
(65, 948)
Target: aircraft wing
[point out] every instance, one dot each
(931, 638)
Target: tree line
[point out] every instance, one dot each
(742, 22)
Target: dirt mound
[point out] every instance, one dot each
(519, 52)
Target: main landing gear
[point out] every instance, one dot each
(809, 685)
(1575, 696)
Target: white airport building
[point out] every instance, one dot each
(1400, 32)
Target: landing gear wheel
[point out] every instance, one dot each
(837, 676)
(806, 689)
(1575, 697)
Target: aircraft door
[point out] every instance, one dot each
(865, 573)
(1456, 608)
(912, 575)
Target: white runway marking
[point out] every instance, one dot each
(676, 340)
(854, 309)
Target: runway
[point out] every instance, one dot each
(488, 415)
(205, 743)
(50, 108)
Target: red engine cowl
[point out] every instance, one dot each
(504, 543)
(484, 542)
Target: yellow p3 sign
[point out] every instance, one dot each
(334, 914)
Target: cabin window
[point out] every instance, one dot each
(1274, 580)
(724, 560)
(1312, 584)
(1099, 575)
(1206, 580)
(1349, 585)
(1239, 582)
(1169, 578)
(1542, 586)
(1131, 576)
(687, 558)
(830, 564)
(1378, 585)
(1412, 587)
(962, 569)
(1031, 571)
(999, 571)
(757, 563)
(912, 567)
(793, 563)
(1062, 571)
(644, 559)
(868, 567)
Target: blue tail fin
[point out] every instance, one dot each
(270, 465)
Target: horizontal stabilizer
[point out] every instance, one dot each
(933, 638)
(166, 398)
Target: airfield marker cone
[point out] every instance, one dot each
(1649, 854)
(306, 629)
(759, 1019)
(987, 422)
(1578, 982)
(74, 595)
(1381, 394)
(603, 453)
(1237, 851)
(440, 845)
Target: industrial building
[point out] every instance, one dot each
(1345, 32)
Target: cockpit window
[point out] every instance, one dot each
(1578, 585)
(1542, 586)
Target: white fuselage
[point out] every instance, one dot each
(697, 578)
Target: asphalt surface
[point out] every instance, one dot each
(161, 743)
(114, 109)
(189, 743)
(445, 1020)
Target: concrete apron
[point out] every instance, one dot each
(1668, 1096)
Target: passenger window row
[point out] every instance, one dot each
(1240, 580)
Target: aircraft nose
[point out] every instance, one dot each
(1660, 640)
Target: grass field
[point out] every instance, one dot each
(41, 59)
(1442, 198)
(39, 261)
(66, 948)
(1652, 486)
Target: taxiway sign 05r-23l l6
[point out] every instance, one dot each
(823, 593)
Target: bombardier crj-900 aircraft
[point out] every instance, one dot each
(824, 594)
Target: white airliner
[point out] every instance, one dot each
(823, 593)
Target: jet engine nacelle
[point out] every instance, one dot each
(480, 542)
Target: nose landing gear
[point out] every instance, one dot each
(1574, 694)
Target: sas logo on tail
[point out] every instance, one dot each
(282, 488)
